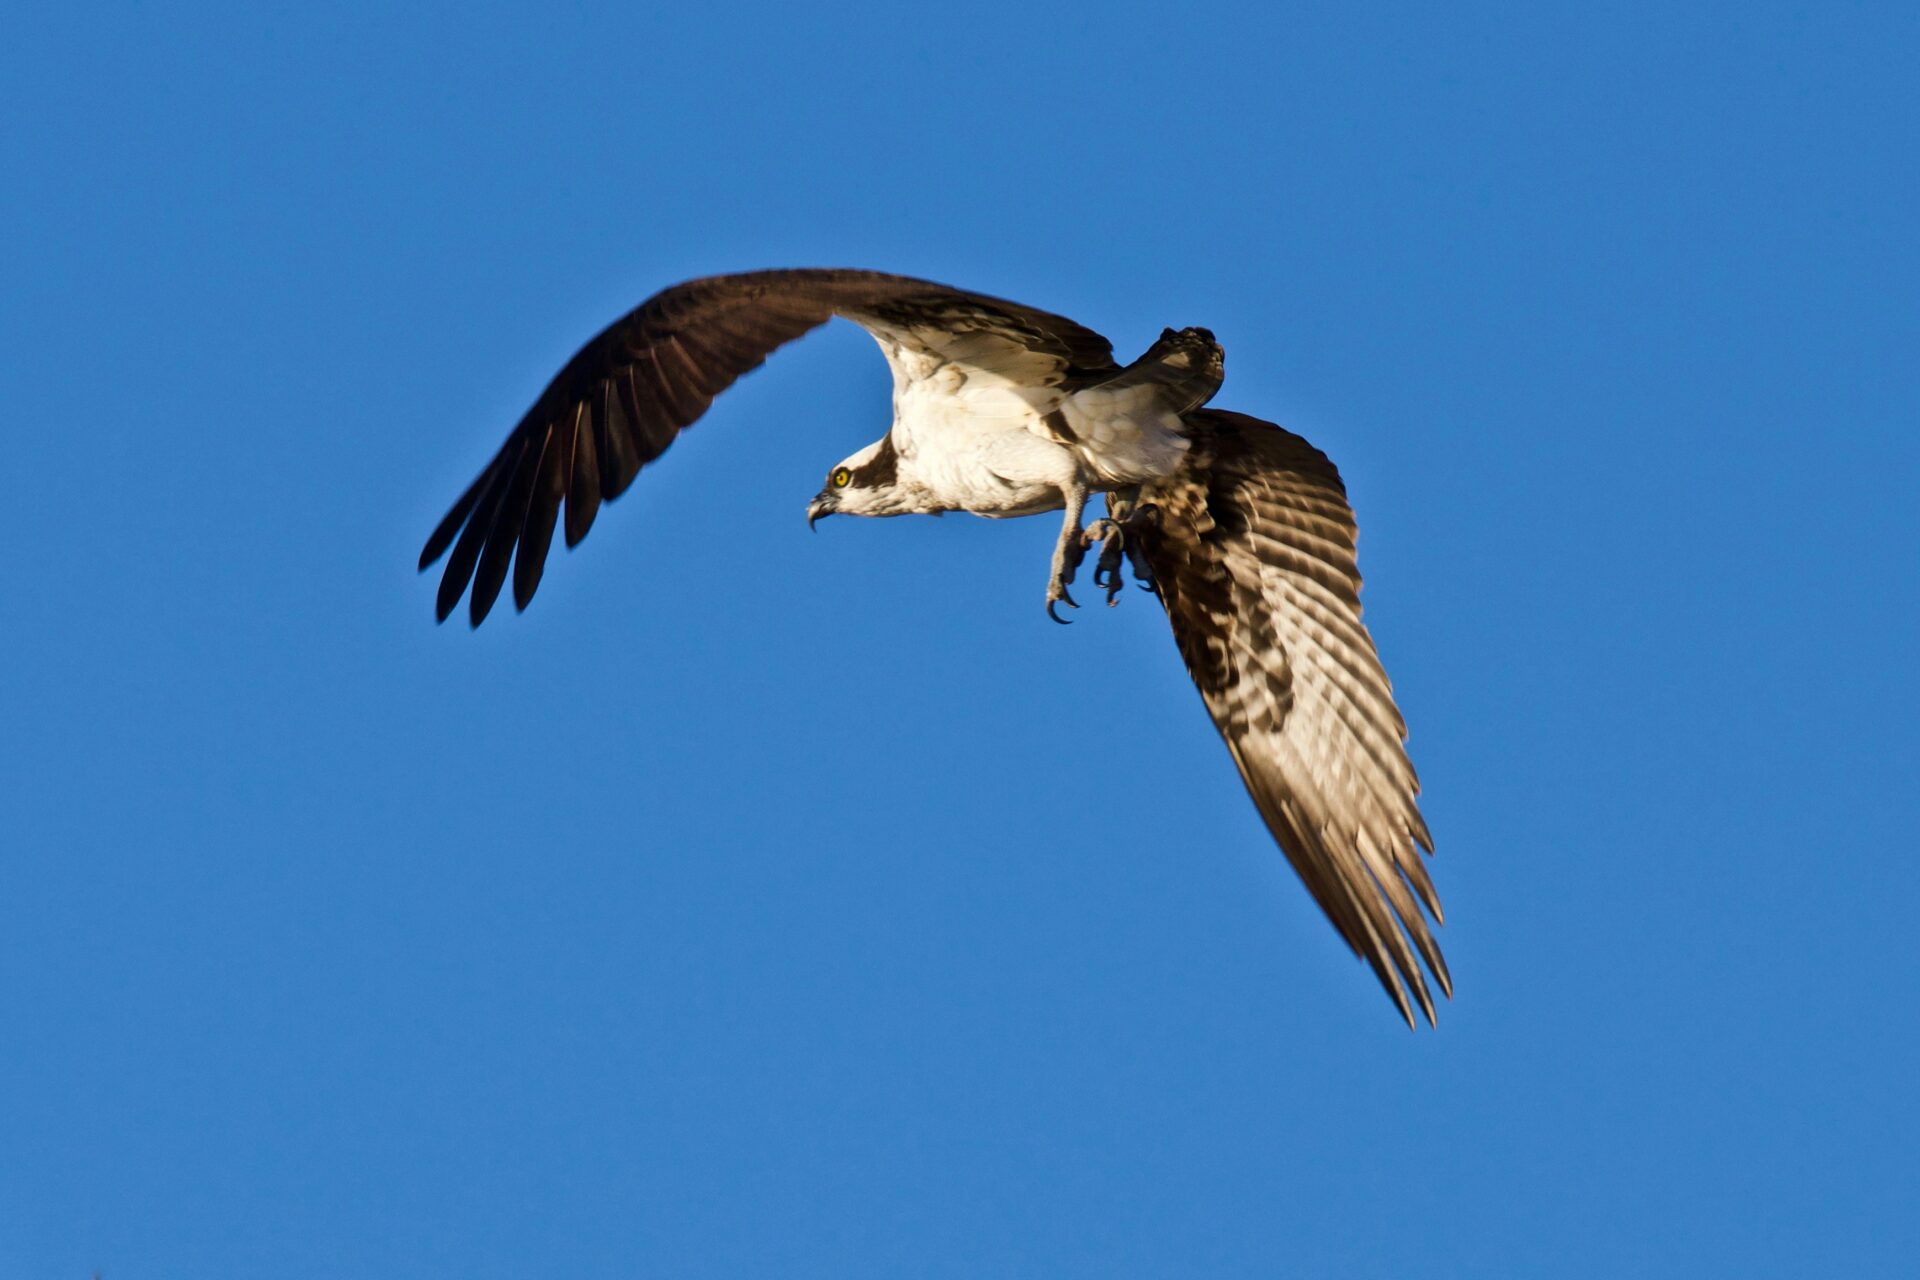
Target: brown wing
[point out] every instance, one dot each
(1253, 553)
(622, 399)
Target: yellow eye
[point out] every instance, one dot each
(842, 477)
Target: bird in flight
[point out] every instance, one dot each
(1241, 528)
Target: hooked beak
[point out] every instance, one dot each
(824, 505)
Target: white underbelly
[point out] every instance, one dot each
(1005, 472)
(998, 450)
(983, 452)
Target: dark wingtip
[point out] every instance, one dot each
(480, 603)
(527, 582)
(440, 539)
(450, 524)
(481, 597)
(580, 513)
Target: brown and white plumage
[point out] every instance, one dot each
(1004, 410)
(622, 399)
(1253, 555)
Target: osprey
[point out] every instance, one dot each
(1241, 528)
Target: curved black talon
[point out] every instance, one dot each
(1068, 600)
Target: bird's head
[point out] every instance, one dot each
(866, 484)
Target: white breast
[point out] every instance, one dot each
(994, 433)
(979, 447)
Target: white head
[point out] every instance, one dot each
(867, 484)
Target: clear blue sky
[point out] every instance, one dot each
(767, 904)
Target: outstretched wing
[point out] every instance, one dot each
(622, 399)
(1253, 553)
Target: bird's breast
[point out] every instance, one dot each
(981, 453)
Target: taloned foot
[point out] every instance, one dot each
(1114, 538)
(1057, 595)
(1066, 561)
(1111, 538)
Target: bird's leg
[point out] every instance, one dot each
(1068, 552)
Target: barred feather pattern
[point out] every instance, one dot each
(1253, 554)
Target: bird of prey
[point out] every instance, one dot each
(1241, 528)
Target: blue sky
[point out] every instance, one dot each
(761, 903)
